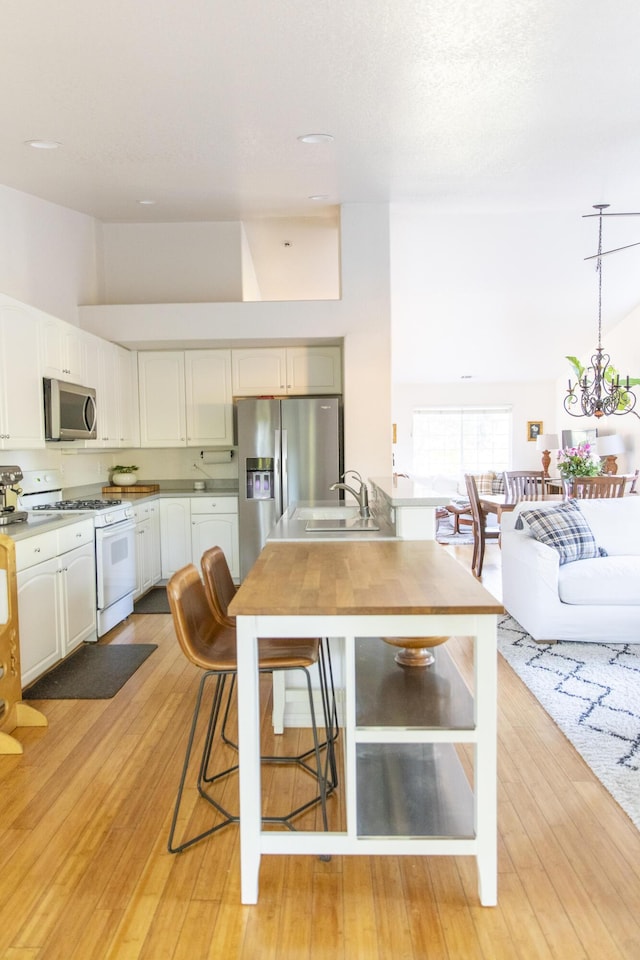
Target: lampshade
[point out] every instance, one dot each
(547, 441)
(609, 446)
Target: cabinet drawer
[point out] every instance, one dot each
(75, 536)
(34, 550)
(200, 505)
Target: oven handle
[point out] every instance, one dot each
(104, 533)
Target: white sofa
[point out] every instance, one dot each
(587, 599)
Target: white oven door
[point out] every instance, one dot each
(115, 562)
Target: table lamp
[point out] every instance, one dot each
(547, 442)
(607, 449)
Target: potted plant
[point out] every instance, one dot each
(124, 476)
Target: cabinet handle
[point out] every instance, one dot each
(36, 549)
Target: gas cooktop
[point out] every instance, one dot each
(78, 505)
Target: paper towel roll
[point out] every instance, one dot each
(216, 456)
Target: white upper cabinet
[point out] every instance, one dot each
(259, 371)
(185, 398)
(287, 370)
(208, 397)
(62, 349)
(314, 370)
(21, 399)
(162, 405)
(126, 362)
(113, 372)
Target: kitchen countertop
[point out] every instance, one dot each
(288, 530)
(35, 525)
(403, 492)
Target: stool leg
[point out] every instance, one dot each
(208, 740)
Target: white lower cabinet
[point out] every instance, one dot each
(148, 564)
(175, 534)
(56, 596)
(189, 526)
(214, 523)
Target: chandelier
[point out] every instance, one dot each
(598, 391)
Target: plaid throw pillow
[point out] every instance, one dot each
(484, 482)
(497, 485)
(564, 528)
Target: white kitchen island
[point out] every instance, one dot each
(403, 756)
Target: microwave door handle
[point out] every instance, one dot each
(89, 413)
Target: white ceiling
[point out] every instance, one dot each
(506, 109)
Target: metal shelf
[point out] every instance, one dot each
(389, 695)
(412, 790)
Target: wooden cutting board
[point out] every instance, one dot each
(136, 488)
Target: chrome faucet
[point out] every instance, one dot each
(361, 495)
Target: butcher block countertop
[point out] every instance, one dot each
(349, 578)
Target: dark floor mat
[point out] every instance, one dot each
(94, 672)
(155, 601)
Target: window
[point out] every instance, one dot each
(453, 441)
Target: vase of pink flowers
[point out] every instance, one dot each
(579, 461)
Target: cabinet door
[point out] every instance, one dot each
(78, 600)
(175, 534)
(39, 618)
(259, 371)
(101, 374)
(208, 397)
(314, 370)
(154, 537)
(62, 349)
(21, 403)
(127, 380)
(162, 398)
(144, 547)
(216, 530)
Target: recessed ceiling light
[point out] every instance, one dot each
(43, 144)
(466, 376)
(147, 203)
(319, 196)
(316, 138)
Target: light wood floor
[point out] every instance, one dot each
(85, 874)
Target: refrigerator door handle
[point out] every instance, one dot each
(277, 475)
(285, 484)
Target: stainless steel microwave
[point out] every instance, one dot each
(69, 411)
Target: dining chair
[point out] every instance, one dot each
(211, 646)
(220, 590)
(480, 532)
(593, 487)
(634, 482)
(524, 484)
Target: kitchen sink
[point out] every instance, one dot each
(355, 524)
(326, 513)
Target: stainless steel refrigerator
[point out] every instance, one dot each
(289, 450)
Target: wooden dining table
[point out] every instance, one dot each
(500, 503)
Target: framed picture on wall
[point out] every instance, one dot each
(534, 429)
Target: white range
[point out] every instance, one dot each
(115, 541)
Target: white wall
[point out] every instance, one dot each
(48, 255)
(295, 259)
(172, 262)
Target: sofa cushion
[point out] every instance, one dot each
(484, 482)
(615, 523)
(564, 528)
(611, 581)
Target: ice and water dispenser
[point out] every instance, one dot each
(260, 478)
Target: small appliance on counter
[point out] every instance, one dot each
(8, 513)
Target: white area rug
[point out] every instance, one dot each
(445, 534)
(592, 691)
